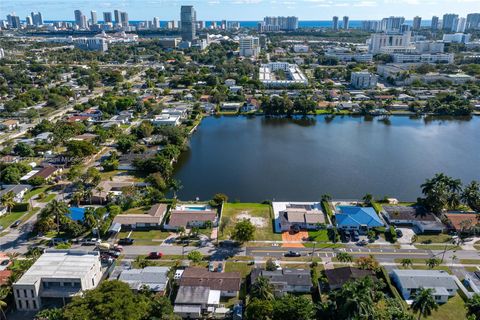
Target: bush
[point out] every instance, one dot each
(21, 207)
(36, 181)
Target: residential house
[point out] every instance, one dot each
(10, 159)
(18, 191)
(230, 82)
(230, 106)
(252, 104)
(357, 218)
(44, 137)
(149, 220)
(85, 137)
(47, 173)
(10, 124)
(56, 277)
(106, 189)
(166, 120)
(339, 276)
(200, 292)
(463, 222)
(410, 281)
(154, 279)
(187, 216)
(182, 112)
(286, 280)
(415, 216)
(300, 215)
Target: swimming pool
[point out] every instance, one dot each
(77, 214)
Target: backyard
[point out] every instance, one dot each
(145, 238)
(453, 309)
(260, 215)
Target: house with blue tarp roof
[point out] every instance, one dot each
(357, 218)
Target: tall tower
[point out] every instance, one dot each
(188, 18)
(93, 15)
(335, 23)
(417, 22)
(345, 22)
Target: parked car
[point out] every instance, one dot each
(295, 228)
(220, 267)
(211, 267)
(362, 243)
(399, 233)
(345, 236)
(114, 253)
(154, 255)
(126, 241)
(292, 254)
(89, 241)
(16, 224)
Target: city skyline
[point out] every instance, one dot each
(242, 9)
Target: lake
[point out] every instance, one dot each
(257, 158)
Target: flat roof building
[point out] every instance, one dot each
(56, 277)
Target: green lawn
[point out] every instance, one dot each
(48, 198)
(433, 238)
(454, 309)
(145, 238)
(319, 235)
(10, 218)
(437, 247)
(241, 267)
(232, 210)
(32, 193)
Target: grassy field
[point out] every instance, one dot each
(433, 238)
(9, 218)
(232, 210)
(319, 235)
(48, 198)
(145, 238)
(32, 193)
(452, 310)
(437, 247)
(241, 267)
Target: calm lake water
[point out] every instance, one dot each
(255, 158)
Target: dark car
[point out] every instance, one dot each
(16, 224)
(362, 243)
(345, 236)
(126, 241)
(399, 233)
(292, 254)
(154, 255)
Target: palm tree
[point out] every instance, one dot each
(262, 289)
(368, 198)
(471, 195)
(89, 218)
(176, 186)
(4, 292)
(326, 197)
(77, 197)
(432, 262)
(413, 239)
(7, 200)
(344, 257)
(100, 190)
(58, 209)
(88, 194)
(473, 306)
(406, 262)
(424, 302)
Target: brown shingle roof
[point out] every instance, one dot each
(201, 277)
(408, 213)
(45, 172)
(179, 218)
(462, 220)
(338, 276)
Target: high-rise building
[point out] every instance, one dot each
(279, 23)
(156, 22)
(188, 18)
(392, 24)
(335, 23)
(346, 23)
(13, 21)
(107, 17)
(93, 15)
(116, 14)
(363, 80)
(417, 22)
(37, 19)
(450, 21)
(434, 25)
(249, 46)
(124, 19)
(461, 25)
(382, 40)
(80, 19)
(28, 20)
(473, 21)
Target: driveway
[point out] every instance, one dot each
(408, 233)
(293, 240)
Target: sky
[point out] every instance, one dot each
(243, 10)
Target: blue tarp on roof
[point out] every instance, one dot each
(352, 216)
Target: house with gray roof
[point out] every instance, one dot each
(153, 278)
(415, 216)
(408, 282)
(286, 280)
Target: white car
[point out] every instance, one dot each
(178, 274)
